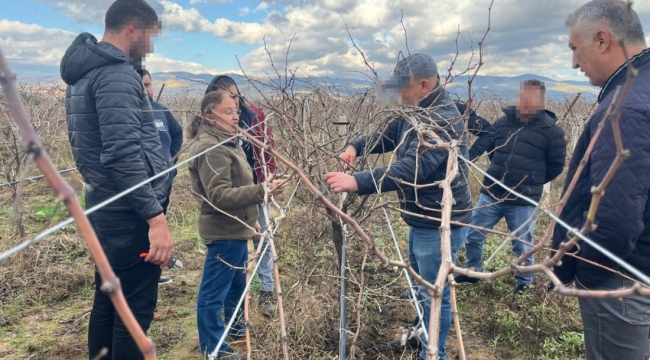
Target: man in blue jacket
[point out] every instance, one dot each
(171, 138)
(116, 146)
(417, 82)
(613, 328)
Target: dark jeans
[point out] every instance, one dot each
(220, 290)
(123, 236)
(616, 329)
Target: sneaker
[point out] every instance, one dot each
(521, 289)
(231, 356)
(267, 303)
(164, 280)
(412, 345)
(464, 279)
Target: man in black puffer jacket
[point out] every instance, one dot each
(116, 146)
(528, 151)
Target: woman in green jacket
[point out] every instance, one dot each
(227, 220)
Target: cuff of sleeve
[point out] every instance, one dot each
(364, 183)
(157, 210)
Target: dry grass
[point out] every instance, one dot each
(46, 291)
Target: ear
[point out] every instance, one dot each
(425, 85)
(604, 40)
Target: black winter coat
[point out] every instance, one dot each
(111, 128)
(623, 216)
(526, 156)
(479, 127)
(431, 164)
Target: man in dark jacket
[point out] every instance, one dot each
(528, 150)
(116, 146)
(416, 78)
(479, 127)
(169, 130)
(171, 138)
(613, 328)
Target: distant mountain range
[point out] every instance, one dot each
(178, 83)
(182, 83)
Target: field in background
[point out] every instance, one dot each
(46, 291)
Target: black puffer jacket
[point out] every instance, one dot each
(526, 156)
(431, 164)
(111, 128)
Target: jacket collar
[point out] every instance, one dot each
(543, 118)
(221, 136)
(620, 74)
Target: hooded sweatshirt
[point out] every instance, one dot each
(111, 128)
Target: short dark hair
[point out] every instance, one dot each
(123, 12)
(536, 83)
(143, 73)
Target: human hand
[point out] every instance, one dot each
(278, 186)
(348, 155)
(160, 241)
(340, 182)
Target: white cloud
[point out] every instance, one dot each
(30, 44)
(33, 44)
(156, 63)
(261, 7)
(525, 36)
(210, 1)
(244, 11)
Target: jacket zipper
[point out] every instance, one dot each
(514, 143)
(245, 214)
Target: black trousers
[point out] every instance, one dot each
(123, 236)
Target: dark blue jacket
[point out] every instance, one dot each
(524, 155)
(170, 132)
(431, 164)
(623, 217)
(111, 128)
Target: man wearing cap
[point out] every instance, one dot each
(417, 83)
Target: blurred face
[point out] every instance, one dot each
(530, 100)
(146, 80)
(417, 90)
(587, 56)
(226, 115)
(140, 41)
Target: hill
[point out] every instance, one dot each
(178, 83)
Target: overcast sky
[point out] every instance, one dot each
(207, 36)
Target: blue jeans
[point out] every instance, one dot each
(265, 271)
(220, 290)
(425, 258)
(487, 214)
